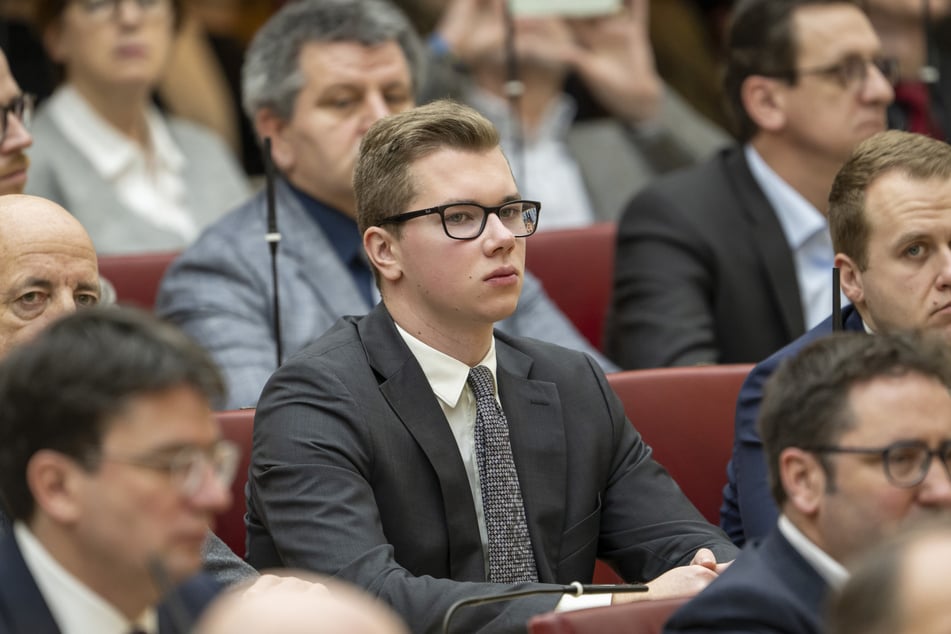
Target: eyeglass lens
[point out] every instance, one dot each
(467, 220)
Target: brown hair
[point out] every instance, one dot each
(916, 156)
(761, 41)
(382, 181)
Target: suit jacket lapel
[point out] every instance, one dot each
(21, 604)
(537, 433)
(407, 391)
(769, 241)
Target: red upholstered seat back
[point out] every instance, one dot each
(576, 267)
(237, 426)
(136, 277)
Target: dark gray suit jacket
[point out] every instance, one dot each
(356, 473)
(703, 273)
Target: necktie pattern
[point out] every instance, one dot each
(510, 547)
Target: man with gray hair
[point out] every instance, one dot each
(316, 76)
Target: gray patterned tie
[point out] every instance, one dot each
(510, 546)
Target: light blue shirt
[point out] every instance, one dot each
(807, 234)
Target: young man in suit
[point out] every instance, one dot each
(844, 473)
(112, 468)
(316, 76)
(729, 261)
(890, 218)
(380, 453)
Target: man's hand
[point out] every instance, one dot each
(473, 29)
(684, 581)
(616, 62)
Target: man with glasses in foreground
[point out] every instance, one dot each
(112, 467)
(890, 221)
(427, 457)
(729, 261)
(857, 435)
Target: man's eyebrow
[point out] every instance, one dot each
(87, 286)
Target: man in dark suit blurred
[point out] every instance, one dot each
(112, 468)
(427, 457)
(729, 261)
(843, 473)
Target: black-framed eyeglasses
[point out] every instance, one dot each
(852, 71)
(906, 463)
(466, 221)
(20, 107)
(188, 466)
(110, 8)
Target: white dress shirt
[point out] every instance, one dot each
(448, 379)
(807, 234)
(148, 180)
(74, 606)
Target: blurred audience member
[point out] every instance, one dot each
(112, 467)
(16, 109)
(282, 605)
(915, 32)
(900, 586)
(843, 474)
(317, 75)
(47, 267)
(587, 170)
(138, 181)
(729, 261)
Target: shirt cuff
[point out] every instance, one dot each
(570, 602)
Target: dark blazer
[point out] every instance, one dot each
(769, 589)
(23, 609)
(748, 509)
(703, 273)
(355, 472)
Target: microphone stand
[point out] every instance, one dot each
(574, 588)
(836, 301)
(273, 238)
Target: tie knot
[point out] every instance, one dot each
(480, 380)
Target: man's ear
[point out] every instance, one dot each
(764, 101)
(803, 479)
(384, 251)
(850, 279)
(53, 42)
(56, 484)
(268, 124)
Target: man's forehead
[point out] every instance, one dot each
(8, 85)
(352, 59)
(825, 33)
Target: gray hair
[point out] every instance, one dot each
(271, 77)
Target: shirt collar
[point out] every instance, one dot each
(108, 150)
(446, 376)
(74, 606)
(798, 218)
(554, 124)
(828, 568)
(341, 230)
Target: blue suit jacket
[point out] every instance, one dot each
(24, 610)
(770, 589)
(748, 509)
(219, 291)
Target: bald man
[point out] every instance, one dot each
(14, 136)
(284, 604)
(47, 267)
